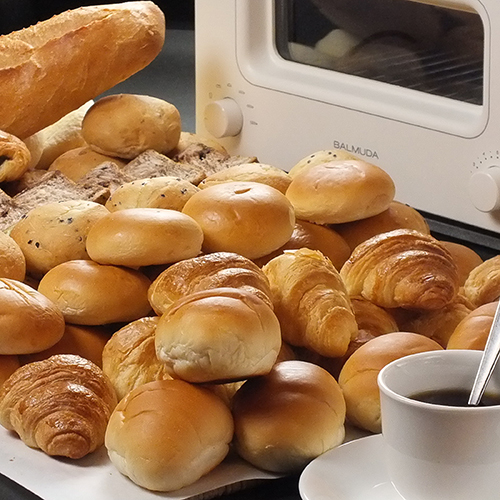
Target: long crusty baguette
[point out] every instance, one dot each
(55, 66)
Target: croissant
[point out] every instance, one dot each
(15, 157)
(61, 405)
(483, 283)
(402, 268)
(214, 270)
(311, 302)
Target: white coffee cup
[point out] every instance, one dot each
(438, 452)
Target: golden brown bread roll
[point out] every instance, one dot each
(49, 69)
(287, 418)
(315, 237)
(250, 172)
(311, 302)
(12, 259)
(402, 268)
(166, 434)
(54, 233)
(319, 157)
(61, 405)
(126, 125)
(213, 270)
(89, 293)
(218, 335)
(483, 283)
(8, 365)
(340, 191)
(15, 157)
(465, 258)
(77, 162)
(129, 357)
(358, 377)
(156, 192)
(472, 332)
(29, 321)
(144, 237)
(248, 218)
(397, 216)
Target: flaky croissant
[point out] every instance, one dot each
(213, 270)
(61, 405)
(311, 302)
(482, 286)
(402, 268)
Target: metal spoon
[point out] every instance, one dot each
(488, 360)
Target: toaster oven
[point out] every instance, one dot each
(411, 86)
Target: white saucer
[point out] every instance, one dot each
(352, 471)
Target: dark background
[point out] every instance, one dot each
(18, 14)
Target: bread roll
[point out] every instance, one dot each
(402, 268)
(8, 365)
(156, 192)
(287, 418)
(126, 125)
(483, 283)
(89, 293)
(54, 233)
(358, 377)
(319, 157)
(85, 341)
(250, 172)
(397, 216)
(60, 405)
(15, 157)
(311, 302)
(76, 163)
(465, 258)
(472, 332)
(29, 321)
(247, 218)
(218, 335)
(166, 434)
(49, 69)
(144, 237)
(214, 270)
(129, 357)
(12, 259)
(340, 191)
(315, 237)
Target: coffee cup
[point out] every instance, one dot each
(436, 451)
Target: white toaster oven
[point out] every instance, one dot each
(411, 86)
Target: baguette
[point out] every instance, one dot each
(55, 66)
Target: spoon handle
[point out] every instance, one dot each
(488, 360)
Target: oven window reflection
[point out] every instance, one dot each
(401, 42)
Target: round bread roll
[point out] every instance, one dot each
(319, 157)
(397, 216)
(8, 365)
(12, 259)
(89, 293)
(340, 191)
(144, 237)
(472, 332)
(218, 335)
(358, 377)
(126, 125)
(248, 218)
(156, 192)
(85, 341)
(54, 233)
(29, 321)
(286, 418)
(129, 357)
(465, 258)
(167, 434)
(75, 163)
(250, 172)
(315, 237)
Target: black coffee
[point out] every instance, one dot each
(454, 397)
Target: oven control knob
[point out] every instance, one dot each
(484, 189)
(223, 118)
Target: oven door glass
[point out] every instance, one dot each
(414, 45)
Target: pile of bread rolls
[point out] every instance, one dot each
(208, 302)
